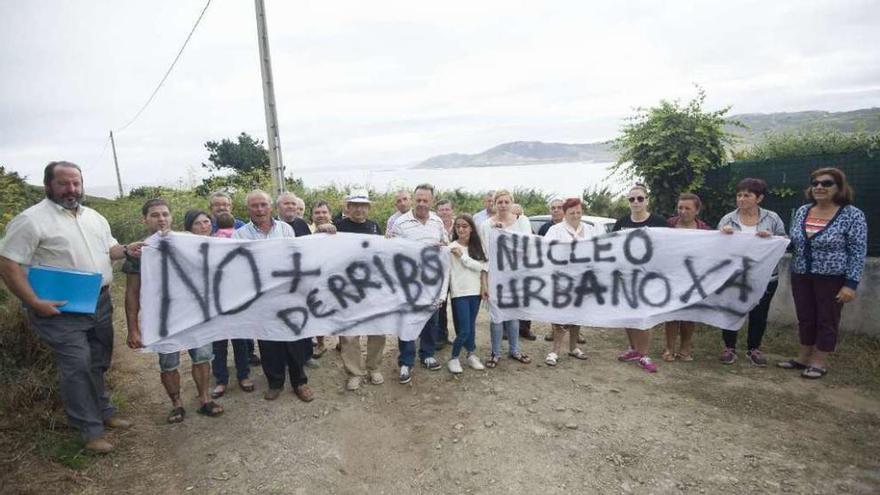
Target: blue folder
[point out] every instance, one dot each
(79, 289)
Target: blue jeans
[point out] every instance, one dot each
(464, 317)
(170, 361)
(242, 364)
(427, 343)
(512, 329)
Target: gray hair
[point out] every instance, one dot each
(257, 192)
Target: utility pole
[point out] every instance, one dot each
(116, 162)
(274, 140)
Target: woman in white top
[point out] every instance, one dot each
(467, 285)
(569, 229)
(506, 220)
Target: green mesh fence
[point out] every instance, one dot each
(788, 178)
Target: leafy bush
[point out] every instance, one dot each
(816, 141)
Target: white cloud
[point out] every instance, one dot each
(396, 82)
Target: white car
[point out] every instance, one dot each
(596, 225)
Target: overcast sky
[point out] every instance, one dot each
(395, 82)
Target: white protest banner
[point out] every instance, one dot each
(634, 279)
(197, 289)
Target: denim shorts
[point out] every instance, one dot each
(171, 361)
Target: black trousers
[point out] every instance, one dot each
(276, 356)
(443, 329)
(757, 321)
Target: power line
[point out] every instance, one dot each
(168, 72)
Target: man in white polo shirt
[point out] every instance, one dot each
(423, 225)
(60, 232)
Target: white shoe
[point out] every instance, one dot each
(405, 374)
(475, 363)
(353, 383)
(376, 378)
(454, 366)
(551, 359)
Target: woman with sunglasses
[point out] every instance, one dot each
(639, 216)
(750, 218)
(830, 237)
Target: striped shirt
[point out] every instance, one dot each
(814, 225)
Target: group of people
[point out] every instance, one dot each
(828, 236)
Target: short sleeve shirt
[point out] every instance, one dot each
(627, 222)
(366, 227)
(430, 232)
(251, 232)
(48, 234)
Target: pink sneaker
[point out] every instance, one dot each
(630, 355)
(646, 364)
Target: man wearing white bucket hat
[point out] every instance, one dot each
(356, 221)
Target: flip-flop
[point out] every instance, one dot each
(218, 391)
(176, 415)
(492, 361)
(578, 354)
(791, 364)
(524, 359)
(813, 373)
(210, 409)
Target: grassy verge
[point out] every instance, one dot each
(32, 421)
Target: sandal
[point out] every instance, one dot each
(492, 361)
(813, 373)
(578, 354)
(246, 385)
(176, 415)
(551, 359)
(210, 409)
(524, 359)
(668, 356)
(791, 364)
(684, 357)
(218, 391)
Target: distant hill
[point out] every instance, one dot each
(525, 153)
(759, 124)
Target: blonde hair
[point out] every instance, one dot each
(640, 187)
(502, 192)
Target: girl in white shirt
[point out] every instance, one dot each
(467, 285)
(569, 229)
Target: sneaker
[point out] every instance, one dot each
(646, 364)
(313, 363)
(376, 378)
(454, 366)
(354, 383)
(728, 356)
(757, 357)
(475, 363)
(405, 375)
(630, 355)
(431, 363)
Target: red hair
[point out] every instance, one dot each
(571, 203)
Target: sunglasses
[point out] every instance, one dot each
(824, 183)
(633, 199)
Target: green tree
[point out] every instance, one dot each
(602, 202)
(246, 155)
(670, 148)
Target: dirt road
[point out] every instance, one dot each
(594, 427)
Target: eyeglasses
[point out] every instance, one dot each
(633, 199)
(824, 183)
